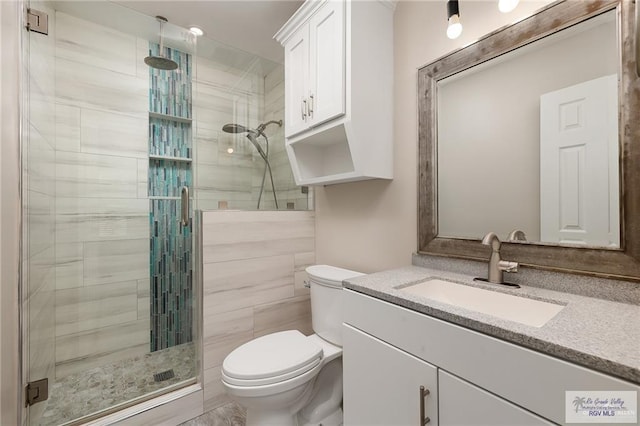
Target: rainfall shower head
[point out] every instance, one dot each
(160, 62)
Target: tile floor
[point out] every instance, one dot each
(85, 393)
(230, 414)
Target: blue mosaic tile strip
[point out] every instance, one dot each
(170, 91)
(171, 276)
(166, 177)
(169, 138)
(170, 243)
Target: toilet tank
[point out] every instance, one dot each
(326, 300)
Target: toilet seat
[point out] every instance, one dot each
(271, 359)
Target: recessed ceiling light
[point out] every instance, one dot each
(197, 31)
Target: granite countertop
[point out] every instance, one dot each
(599, 334)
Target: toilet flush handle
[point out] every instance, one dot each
(307, 284)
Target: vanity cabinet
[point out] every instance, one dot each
(382, 384)
(481, 379)
(339, 90)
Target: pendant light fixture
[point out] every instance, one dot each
(506, 6)
(454, 28)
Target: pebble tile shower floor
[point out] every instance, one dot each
(102, 387)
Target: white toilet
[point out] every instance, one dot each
(287, 378)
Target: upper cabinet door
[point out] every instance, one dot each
(297, 81)
(327, 63)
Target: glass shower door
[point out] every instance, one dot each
(107, 257)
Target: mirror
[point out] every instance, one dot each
(529, 141)
(534, 128)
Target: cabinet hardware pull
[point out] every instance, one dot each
(423, 393)
(304, 109)
(310, 106)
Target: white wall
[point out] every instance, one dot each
(372, 225)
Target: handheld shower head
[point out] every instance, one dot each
(251, 135)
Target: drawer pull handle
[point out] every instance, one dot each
(304, 109)
(423, 393)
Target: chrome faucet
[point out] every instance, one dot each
(497, 266)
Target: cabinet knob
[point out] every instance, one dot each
(423, 393)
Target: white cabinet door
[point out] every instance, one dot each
(327, 63)
(296, 81)
(382, 383)
(462, 404)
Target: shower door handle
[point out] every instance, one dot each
(184, 206)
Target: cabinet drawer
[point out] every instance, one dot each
(382, 383)
(462, 403)
(530, 379)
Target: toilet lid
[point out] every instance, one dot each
(330, 276)
(272, 356)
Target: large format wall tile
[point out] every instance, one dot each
(82, 351)
(113, 134)
(67, 128)
(87, 86)
(82, 41)
(115, 261)
(243, 283)
(270, 232)
(88, 308)
(95, 176)
(101, 219)
(69, 265)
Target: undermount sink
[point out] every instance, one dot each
(526, 311)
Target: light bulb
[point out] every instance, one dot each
(506, 6)
(455, 27)
(229, 150)
(197, 31)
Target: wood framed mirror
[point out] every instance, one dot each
(617, 258)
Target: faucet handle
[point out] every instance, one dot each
(506, 266)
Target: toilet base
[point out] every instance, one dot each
(333, 419)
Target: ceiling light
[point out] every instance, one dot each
(197, 31)
(506, 6)
(454, 29)
(229, 150)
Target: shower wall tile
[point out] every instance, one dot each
(143, 178)
(69, 265)
(243, 283)
(39, 211)
(87, 86)
(115, 261)
(67, 128)
(81, 351)
(39, 164)
(294, 313)
(85, 42)
(248, 295)
(125, 136)
(101, 219)
(95, 176)
(224, 178)
(144, 309)
(89, 308)
(224, 332)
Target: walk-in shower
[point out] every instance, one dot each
(252, 135)
(109, 146)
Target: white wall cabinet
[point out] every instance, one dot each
(481, 380)
(315, 70)
(339, 90)
(382, 383)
